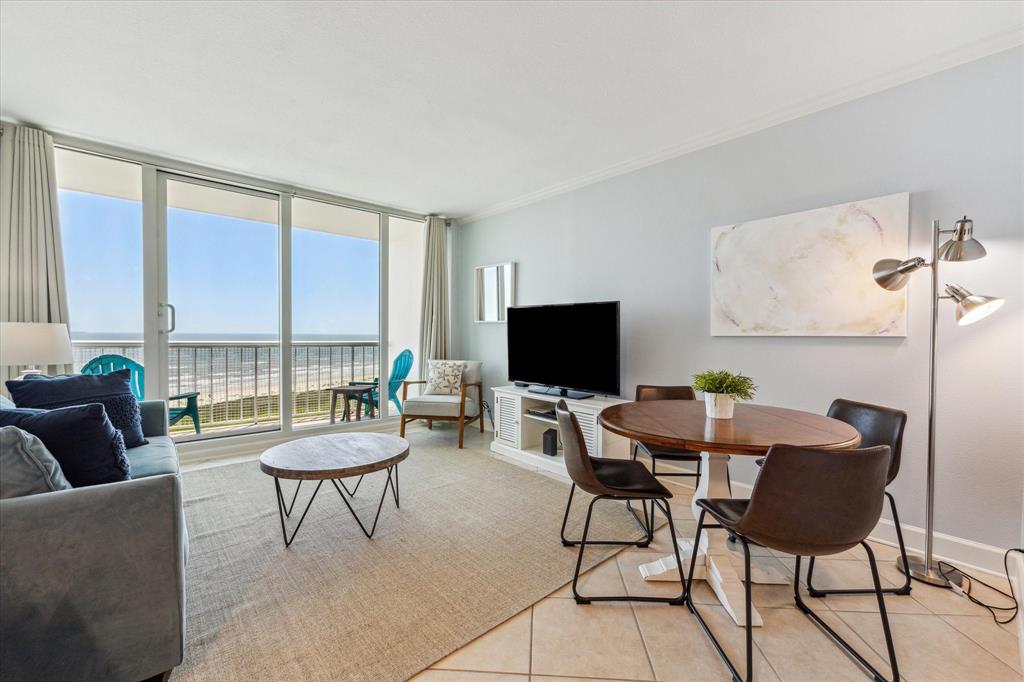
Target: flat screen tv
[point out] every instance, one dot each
(563, 347)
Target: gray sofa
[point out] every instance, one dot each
(92, 580)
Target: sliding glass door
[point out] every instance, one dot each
(221, 326)
(245, 307)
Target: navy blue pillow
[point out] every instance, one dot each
(113, 391)
(81, 438)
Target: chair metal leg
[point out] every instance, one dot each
(903, 589)
(688, 591)
(647, 528)
(581, 599)
(839, 640)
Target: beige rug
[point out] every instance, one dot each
(475, 542)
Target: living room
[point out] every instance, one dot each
(497, 341)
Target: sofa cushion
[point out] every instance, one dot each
(82, 439)
(156, 457)
(26, 466)
(438, 406)
(6, 403)
(113, 391)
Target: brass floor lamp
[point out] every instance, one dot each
(893, 275)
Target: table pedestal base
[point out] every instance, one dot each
(716, 556)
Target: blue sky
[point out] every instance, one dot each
(222, 273)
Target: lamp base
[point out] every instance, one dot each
(930, 573)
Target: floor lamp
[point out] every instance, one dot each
(893, 275)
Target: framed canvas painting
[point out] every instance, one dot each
(809, 273)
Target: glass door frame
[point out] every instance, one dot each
(159, 310)
(152, 165)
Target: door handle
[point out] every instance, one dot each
(174, 318)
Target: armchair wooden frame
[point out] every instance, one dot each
(461, 419)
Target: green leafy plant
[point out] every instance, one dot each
(721, 381)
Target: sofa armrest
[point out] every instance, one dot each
(154, 417)
(93, 582)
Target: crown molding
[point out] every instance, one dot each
(986, 47)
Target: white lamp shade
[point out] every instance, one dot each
(35, 344)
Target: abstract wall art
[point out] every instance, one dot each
(809, 273)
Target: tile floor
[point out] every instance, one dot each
(938, 635)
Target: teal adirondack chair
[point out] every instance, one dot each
(399, 371)
(105, 364)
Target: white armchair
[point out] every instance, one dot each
(464, 408)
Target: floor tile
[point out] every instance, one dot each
(929, 648)
(797, 649)
(549, 678)
(603, 579)
(989, 635)
(505, 649)
(945, 602)
(629, 566)
(432, 675)
(679, 649)
(594, 640)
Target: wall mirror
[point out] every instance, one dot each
(495, 291)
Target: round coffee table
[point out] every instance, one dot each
(333, 457)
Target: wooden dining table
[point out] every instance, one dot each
(751, 432)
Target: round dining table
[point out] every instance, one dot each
(751, 432)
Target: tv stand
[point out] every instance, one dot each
(522, 415)
(560, 392)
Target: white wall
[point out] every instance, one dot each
(954, 140)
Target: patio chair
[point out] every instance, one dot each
(105, 364)
(399, 371)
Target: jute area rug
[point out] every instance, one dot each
(475, 542)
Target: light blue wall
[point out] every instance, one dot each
(954, 140)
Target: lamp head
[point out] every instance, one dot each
(971, 308)
(892, 274)
(962, 245)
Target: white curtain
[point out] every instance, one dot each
(434, 320)
(32, 286)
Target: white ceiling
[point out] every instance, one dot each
(461, 108)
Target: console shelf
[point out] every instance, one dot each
(518, 434)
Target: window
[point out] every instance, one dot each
(100, 203)
(335, 304)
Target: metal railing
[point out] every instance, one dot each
(239, 382)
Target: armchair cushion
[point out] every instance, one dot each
(444, 377)
(439, 406)
(26, 466)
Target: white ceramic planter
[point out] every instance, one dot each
(719, 405)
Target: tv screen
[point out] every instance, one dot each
(568, 346)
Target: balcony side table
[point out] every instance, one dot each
(350, 392)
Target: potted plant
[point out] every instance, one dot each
(721, 390)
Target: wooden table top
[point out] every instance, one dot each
(334, 455)
(752, 430)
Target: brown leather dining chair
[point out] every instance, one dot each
(839, 502)
(877, 426)
(610, 479)
(660, 452)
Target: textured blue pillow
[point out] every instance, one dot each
(113, 391)
(81, 438)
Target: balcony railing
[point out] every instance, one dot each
(239, 382)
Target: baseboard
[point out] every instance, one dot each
(964, 553)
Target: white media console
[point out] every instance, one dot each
(518, 434)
